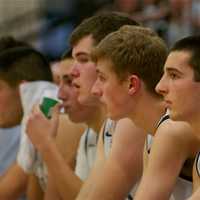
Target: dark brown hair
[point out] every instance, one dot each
(99, 26)
(21, 62)
(190, 44)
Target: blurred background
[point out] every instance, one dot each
(47, 24)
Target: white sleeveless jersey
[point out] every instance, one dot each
(183, 188)
(108, 130)
(87, 149)
(86, 153)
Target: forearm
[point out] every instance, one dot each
(66, 182)
(51, 192)
(88, 186)
(13, 184)
(148, 191)
(107, 184)
(34, 190)
(157, 183)
(107, 190)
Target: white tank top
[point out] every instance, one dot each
(86, 153)
(88, 146)
(109, 127)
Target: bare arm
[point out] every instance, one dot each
(69, 153)
(40, 131)
(171, 147)
(115, 178)
(34, 190)
(13, 183)
(67, 183)
(68, 138)
(51, 192)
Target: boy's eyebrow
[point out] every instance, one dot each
(171, 69)
(81, 54)
(99, 72)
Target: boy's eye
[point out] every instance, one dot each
(67, 80)
(101, 78)
(173, 76)
(83, 59)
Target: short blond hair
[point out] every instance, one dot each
(134, 50)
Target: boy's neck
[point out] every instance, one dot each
(97, 119)
(148, 113)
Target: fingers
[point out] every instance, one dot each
(55, 112)
(35, 109)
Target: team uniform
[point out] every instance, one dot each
(86, 153)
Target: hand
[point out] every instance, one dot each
(41, 130)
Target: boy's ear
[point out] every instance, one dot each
(134, 84)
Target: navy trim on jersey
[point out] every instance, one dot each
(197, 168)
(108, 134)
(103, 136)
(129, 197)
(181, 175)
(162, 119)
(188, 178)
(86, 141)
